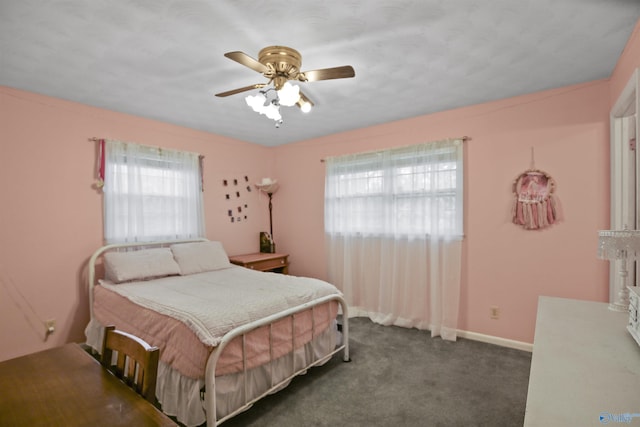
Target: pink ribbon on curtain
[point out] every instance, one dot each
(100, 163)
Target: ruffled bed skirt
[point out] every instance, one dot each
(182, 397)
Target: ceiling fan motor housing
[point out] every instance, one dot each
(283, 62)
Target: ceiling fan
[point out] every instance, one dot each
(280, 64)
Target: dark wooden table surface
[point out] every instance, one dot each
(65, 386)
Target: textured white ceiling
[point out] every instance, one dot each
(163, 59)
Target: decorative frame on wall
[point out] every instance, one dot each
(534, 205)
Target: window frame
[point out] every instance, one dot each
(152, 163)
(374, 164)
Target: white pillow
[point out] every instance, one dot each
(198, 257)
(139, 265)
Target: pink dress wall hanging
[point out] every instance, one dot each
(534, 205)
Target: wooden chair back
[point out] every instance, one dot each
(136, 363)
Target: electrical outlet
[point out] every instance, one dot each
(494, 312)
(50, 326)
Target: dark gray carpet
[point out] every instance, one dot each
(402, 377)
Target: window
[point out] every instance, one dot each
(407, 191)
(151, 193)
(393, 222)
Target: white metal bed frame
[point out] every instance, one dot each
(241, 331)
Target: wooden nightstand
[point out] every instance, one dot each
(278, 263)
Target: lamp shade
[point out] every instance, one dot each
(619, 244)
(268, 185)
(289, 94)
(256, 102)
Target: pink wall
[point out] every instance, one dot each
(503, 265)
(628, 62)
(51, 217)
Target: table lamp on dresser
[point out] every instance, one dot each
(623, 245)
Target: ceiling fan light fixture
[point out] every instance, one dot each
(268, 107)
(304, 103)
(257, 102)
(289, 94)
(279, 64)
(272, 111)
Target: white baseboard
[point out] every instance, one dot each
(503, 342)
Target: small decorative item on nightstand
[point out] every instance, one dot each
(266, 243)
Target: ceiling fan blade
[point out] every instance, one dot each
(247, 61)
(242, 89)
(328, 73)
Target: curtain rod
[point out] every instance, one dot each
(463, 138)
(95, 139)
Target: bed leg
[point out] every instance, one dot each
(345, 333)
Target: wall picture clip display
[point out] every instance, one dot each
(236, 187)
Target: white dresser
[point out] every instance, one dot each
(585, 367)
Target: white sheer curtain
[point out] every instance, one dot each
(393, 224)
(151, 194)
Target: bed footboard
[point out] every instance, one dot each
(242, 331)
